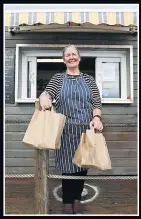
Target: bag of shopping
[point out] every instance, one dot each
(45, 129)
(95, 151)
(92, 151)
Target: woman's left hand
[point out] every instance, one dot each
(97, 124)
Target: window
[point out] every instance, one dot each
(111, 66)
(111, 78)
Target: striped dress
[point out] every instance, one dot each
(75, 97)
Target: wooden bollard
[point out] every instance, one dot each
(41, 179)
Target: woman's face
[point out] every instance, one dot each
(71, 57)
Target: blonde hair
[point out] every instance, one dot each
(66, 47)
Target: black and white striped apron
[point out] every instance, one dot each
(76, 103)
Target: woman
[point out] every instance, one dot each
(77, 97)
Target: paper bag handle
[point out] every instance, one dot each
(92, 128)
(50, 109)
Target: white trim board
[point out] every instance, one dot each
(71, 7)
(79, 46)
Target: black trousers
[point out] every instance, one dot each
(72, 188)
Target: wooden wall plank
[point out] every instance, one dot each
(121, 145)
(115, 171)
(135, 68)
(19, 170)
(135, 78)
(14, 145)
(29, 162)
(122, 119)
(116, 162)
(113, 152)
(124, 162)
(135, 60)
(135, 85)
(135, 52)
(25, 109)
(17, 145)
(17, 127)
(25, 162)
(14, 136)
(112, 136)
(124, 153)
(22, 127)
(106, 109)
(119, 129)
(120, 136)
(118, 110)
(18, 117)
(19, 153)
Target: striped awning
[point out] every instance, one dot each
(96, 18)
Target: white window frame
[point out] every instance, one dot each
(33, 61)
(33, 52)
(122, 60)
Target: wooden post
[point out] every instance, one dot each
(41, 180)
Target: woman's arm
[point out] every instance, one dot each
(97, 105)
(97, 112)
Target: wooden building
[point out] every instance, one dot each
(108, 44)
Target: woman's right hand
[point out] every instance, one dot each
(45, 101)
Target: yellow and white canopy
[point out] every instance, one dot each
(75, 19)
(110, 18)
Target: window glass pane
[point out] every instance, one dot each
(111, 80)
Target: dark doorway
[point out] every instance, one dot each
(45, 70)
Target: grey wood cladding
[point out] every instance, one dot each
(116, 162)
(125, 119)
(21, 127)
(113, 136)
(130, 170)
(122, 148)
(122, 142)
(30, 154)
(27, 109)
(9, 75)
(19, 149)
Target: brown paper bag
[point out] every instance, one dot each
(45, 129)
(85, 150)
(95, 151)
(33, 133)
(88, 150)
(102, 158)
(78, 154)
(92, 151)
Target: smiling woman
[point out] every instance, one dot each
(71, 58)
(77, 97)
